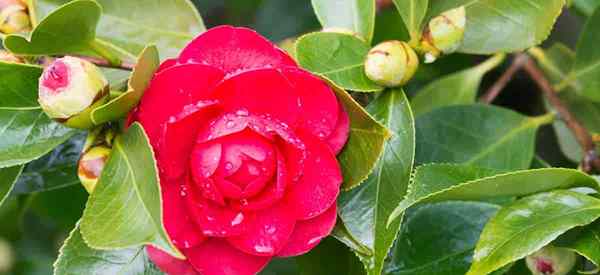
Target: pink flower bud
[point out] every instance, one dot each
(551, 260)
(68, 88)
(91, 165)
(14, 17)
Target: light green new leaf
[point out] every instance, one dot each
(455, 89)
(502, 26)
(440, 182)
(8, 177)
(479, 135)
(26, 133)
(439, 239)
(365, 142)
(133, 24)
(366, 209)
(338, 57)
(529, 224)
(71, 29)
(76, 257)
(125, 209)
(587, 61)
(357, 16)
(142, 73)
(587, 243)
(413, 12)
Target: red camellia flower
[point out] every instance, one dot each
(246, 145)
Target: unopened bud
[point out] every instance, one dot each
(91, 165)
(391, 63)
(551, 260)
(14, 17)
(69, 88)
(9, 57)
(444, 34)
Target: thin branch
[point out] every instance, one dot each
(583, 136)
(506, 77)
(100, 62)
(382, 4)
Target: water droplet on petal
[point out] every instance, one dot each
(263, 249)
(238, 219)
(242, 112)
(172, 119)
(321, 134)
(228, 166)
(230, 124)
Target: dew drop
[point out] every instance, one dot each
(230, 124)
(242, 112)
(321, 134)
(238, 219)
(172, 119)
(263, 249)
(228, 166)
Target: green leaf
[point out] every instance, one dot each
(125, 208)
(587, 243)
(439, 239)
(529, 224)
(502, 26)
(479, 135)
(56, 170)
(8, 177)
(440, 182)
(338, 57)
(142, 73)
(587, 61)
(26, 133)
(365, 143)
(76, 257)
(320, 259)
(587, 7)
(357, 16)
(71, 29)
(455, 89)
(366, 209)
(133, 24)
(413, 12)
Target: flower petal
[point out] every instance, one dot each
(166, 64)
(307, 234)
(172, 90)
(215, 220)
(181, 229)
(169, 264)
(267, 233)
(320, 184)
(338, 138)
(319, 104)
(234, 50)
(217, 257)
(260, 92)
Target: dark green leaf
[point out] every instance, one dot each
(586, 7)
(365, 142)
(502, 26)
(587, 62)
(440, 182)
(455, 89)
(588, 243)
(19, 85)
(528, 225)
(125, 208)
(142, 73)
(338, 57)
(357, 16)
(439, 239)
(77, 258)
(413, 12)
(479, 135)
(330, 257)
(366, 209)
(8, 177)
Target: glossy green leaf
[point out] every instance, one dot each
(357, 16)
(320, 259)
(8, 177)
(365, 143)
(502, 26)
(479, 135)
(70, 29)
(529, 224)
(413, 12)
(587, 243)
(133, 24)
(125, 208)
(439, 239)
(366, 209)
(338, 57)
(587, 62)
(55, 170)
(19, 85)
(76, 257)
(455, 89)
(440, 182)
(142, 73)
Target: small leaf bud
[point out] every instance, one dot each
(444, 34)
(391, 63)
(69, 89)
(551, 260)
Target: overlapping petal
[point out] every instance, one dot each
(217, 257)
(307, 234)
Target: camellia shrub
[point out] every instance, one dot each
(380, 142)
